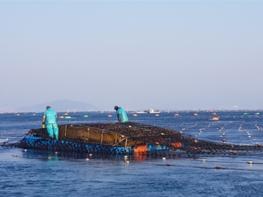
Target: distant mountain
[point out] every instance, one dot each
(60, 106)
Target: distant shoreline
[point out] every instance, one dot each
(132, 111)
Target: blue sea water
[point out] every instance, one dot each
(32, 173)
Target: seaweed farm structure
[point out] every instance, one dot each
(127, 139)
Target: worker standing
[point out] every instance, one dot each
(121, 114)
(50, 123)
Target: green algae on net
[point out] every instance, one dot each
(129, 138)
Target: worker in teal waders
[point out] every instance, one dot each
(121, 114)
(50, 123)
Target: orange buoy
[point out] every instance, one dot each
(176, 145)
(140, 149)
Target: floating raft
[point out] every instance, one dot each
(128, 138)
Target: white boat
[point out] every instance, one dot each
(215, 117)
(140, 112)
(152, 111)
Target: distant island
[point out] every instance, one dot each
(60, 106)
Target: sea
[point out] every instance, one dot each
(38, 173)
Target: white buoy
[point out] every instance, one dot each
(90, 155)
(25, 150)
(87, 159)
(164, 158)
(250, 162)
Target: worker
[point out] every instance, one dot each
(50, 123)
(121, 114)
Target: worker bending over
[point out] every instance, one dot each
(121, 114)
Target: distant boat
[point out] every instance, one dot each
(215, 117)
(140, 112)
(152, 111)
(176, 115)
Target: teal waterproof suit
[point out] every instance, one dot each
(122, 115)
(50, 118)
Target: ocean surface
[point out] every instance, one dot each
(34, 173)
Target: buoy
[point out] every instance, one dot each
(250, 162)
(90, 155)
(87, 159)
(25, 150)
(164, 158)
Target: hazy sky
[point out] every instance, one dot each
(195, 54)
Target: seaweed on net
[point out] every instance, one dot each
(135, 134)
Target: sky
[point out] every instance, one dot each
(172, 55)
